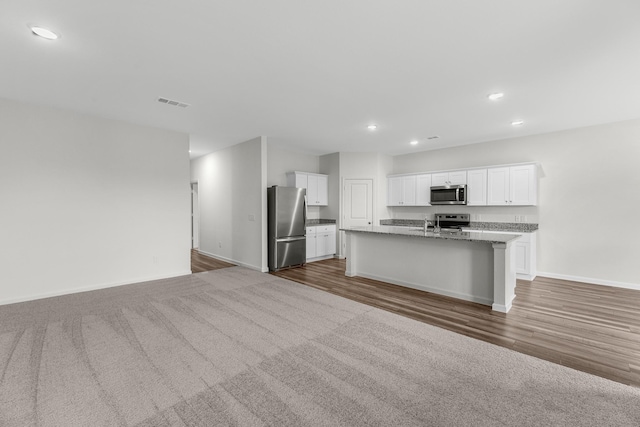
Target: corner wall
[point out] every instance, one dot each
(280, 161)
(345, 165)
(88, 203)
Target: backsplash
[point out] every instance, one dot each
(316, 221)
(524, 214)
(476, 225)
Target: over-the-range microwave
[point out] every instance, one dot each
(449, 195)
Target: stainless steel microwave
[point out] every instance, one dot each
(449, 195)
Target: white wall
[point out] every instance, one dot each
(281, 161)
(373, 166)
(330, 165)
(88, 202)
(588, 197)
(232, 187)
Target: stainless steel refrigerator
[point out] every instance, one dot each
(287, 215)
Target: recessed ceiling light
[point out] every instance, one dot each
(517, 123)
(414, 142)
(44, 33)
(372, 127)
(495, 96)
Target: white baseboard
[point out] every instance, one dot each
(528, 277)
(503, 308)
(90, 288)
(590, 280)
(232, 261)
(320, 258)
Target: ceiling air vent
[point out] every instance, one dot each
(433, 137)
(173, 102)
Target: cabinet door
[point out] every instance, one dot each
(522, 183)
(321, 244)
(409, 190)
(311, 246)
(523, 256)
(498, 186)
(477, 187)
(312, 190)
(394, 192)
(302, 181)
(423, 190)
(439, 179)
(323, 190)
(458, 178)
(331, 244)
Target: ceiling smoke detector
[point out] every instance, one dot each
(173, 102)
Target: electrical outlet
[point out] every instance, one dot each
(523, 218)
(478, 217)
(219, 244)
(252, 217)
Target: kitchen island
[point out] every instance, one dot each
(471, 266)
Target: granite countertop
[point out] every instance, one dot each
(419, 233)
(522, 227)
(320, 221)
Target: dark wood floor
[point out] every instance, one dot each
(595, 329)
(200, 263)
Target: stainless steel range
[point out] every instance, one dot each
(452, 222)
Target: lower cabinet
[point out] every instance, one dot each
(321, 241)
(525, 253)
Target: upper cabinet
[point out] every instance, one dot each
(316, 185)
(401, 191)
(512, 186)
(449, 178)
(409, 190)
(423, 190)
(477, 187)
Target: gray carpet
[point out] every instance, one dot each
(237, 347)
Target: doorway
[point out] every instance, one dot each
(357, 206)
(195, 217)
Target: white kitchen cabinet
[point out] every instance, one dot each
(321, 241)
(525, 253)
(526, 256)
(316, 185)
(449, 178)
(401, 190)
(311, 242)
(423, 190)
(477, 187)
(512, 186)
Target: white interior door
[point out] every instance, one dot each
(357, 207)
(195, 217)
(358, 203)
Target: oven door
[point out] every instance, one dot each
(449, 195)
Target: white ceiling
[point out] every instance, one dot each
(311, 75)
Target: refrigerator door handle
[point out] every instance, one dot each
(291, 239)
(305, 210)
